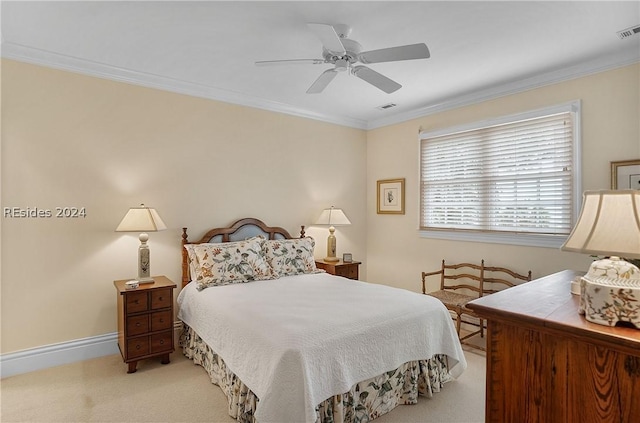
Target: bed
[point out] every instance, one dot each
(287, 342)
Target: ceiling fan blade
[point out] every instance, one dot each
(323, 80)
(376, 79)
(291, 62)
(392, 54)
(328, 36)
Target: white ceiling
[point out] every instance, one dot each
(478, 49)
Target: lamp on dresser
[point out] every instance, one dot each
(142, 219)
(332, 217)
(609, 225)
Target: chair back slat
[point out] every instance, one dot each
(501, 278)
(467, 276)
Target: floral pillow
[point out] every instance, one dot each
(230, 262)
(291, 256)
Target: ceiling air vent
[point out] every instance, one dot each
(386, 106)
(625, 33)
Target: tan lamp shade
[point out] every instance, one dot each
(332, 217)
(142, 219)
(609, 224)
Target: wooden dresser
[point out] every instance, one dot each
(145, 321)
(546, 363)
(340, 268)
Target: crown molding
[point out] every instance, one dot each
(34, 56)
(598, 65)
(73, 64)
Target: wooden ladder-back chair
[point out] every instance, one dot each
(464, 282)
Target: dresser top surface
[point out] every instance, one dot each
(548, 302)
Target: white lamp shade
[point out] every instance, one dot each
(333, 217)
(609, 224)
(141, 219)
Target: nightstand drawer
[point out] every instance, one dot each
(161, 320)
(137, 347)
(136, 302)
(162, 342)
(339, 268)
(350, 272)
(137, 325)
(161, 298)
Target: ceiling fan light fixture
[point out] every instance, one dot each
(342, 65)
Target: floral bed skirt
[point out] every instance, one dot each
(365, 401)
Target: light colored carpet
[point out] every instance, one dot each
(100, 390)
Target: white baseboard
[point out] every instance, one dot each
(57, 354)
(38, 358)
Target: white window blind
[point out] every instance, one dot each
(513, 177)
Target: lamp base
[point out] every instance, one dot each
(331, 259)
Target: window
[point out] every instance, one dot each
(512, 180)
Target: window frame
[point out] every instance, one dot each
(512, 238)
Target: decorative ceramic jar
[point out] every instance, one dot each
(610, 293)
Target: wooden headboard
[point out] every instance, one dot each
(239, 230)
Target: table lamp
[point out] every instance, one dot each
(332, 217)
(142, 219)
(609, 225)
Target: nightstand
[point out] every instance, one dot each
(340, 268)
(145, 321)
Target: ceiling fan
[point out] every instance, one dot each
(342, 52)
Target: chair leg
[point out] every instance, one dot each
(458, 322)
(481, 328)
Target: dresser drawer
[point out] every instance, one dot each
(136, 302)
(162, 342)
(137, 325)
(137, 347)
(161, 298)
(161, 320)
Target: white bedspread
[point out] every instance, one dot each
(299, 340)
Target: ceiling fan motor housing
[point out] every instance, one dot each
(352, 50)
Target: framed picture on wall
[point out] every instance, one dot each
(625, 174)
(391, 196)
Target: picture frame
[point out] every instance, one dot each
(390, 196)
(625, 174)
(347, 257)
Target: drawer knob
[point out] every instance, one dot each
(138, 324)
(137, 346)
(162, 342)
(136, 301)
(161, 320)
(159, 298)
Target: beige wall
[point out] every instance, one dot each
(74, 140)
(396, 254)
